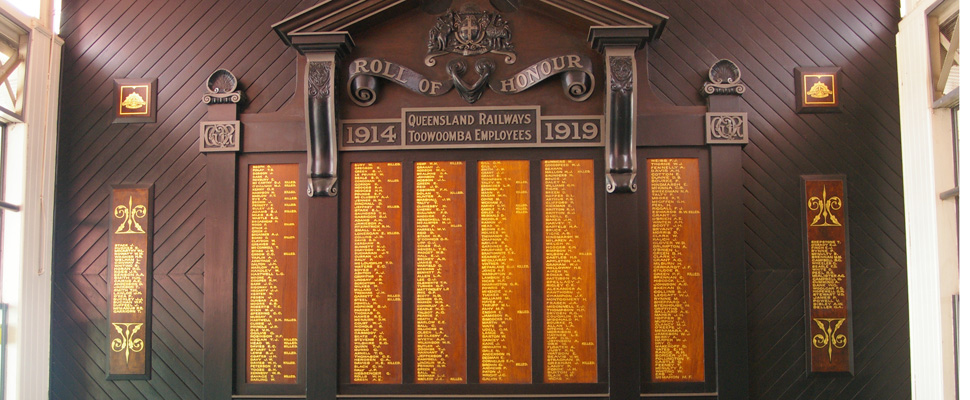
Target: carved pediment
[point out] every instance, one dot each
(308, 28)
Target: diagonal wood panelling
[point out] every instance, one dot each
(768, 39)
(180, 42)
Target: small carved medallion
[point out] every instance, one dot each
(727, 128)
(219, 136)
(621, 70)
(470, 32)
(318, 80)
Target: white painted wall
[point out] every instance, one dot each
(930, 222)
(28, 234)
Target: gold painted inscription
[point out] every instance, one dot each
(272, 347)
(828, 285)
(439, 226)
(376, 258)
(128, 280)
(504, 272)
(676, 282)
(569, 255)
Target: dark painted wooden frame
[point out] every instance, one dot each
(152, 105)
(149, 279)
(800, 90)
(807, 270)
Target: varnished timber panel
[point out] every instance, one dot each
(767, 39)
(181, 42)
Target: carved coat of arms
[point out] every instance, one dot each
(470, 33)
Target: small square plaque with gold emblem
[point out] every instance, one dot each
(817, 89)
(134, 100)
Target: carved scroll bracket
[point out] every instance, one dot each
(322, 51)
(619, 45)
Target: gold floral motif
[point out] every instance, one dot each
(134, 101)
(126, 342)
(128, 214)
(825, 207)
(828, 338)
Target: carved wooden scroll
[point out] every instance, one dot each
(826, 254)
(321, 125)
(129, 282)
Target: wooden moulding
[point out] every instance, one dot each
(827, 281)
(130, 234)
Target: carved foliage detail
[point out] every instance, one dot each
(318, 80)
(621, 74)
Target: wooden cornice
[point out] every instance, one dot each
(352, 16)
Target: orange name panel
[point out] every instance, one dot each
(272, 325)
(569, 256)
(504, 272)
(375, 257)
(676, 273)
(439, 264)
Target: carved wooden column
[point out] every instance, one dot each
(219, 141)
(727, 131)
(619, 45)
(323, 51)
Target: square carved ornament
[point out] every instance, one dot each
(818, 90)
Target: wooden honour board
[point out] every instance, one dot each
(272, 323)
(129, 282)
(827, 279)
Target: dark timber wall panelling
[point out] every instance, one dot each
(181, 42)
(768, 38)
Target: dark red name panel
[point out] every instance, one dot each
(376, 273)
(272, 325)
(827, 274)
(129, 283)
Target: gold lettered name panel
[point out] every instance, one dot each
(505, 272)
(129, 282)
(676, 270)
(272, 324)
(376, 273)
(569, 275)
(439, 267)
(826, 250)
